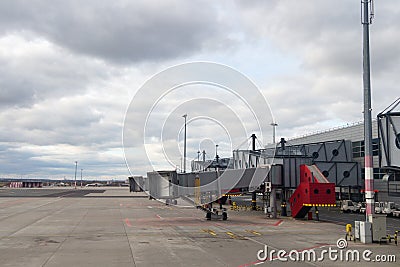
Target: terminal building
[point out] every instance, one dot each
(386, 149)
(308, 171)
(339, 155)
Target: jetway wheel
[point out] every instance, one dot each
(224, 216)
(208, 216)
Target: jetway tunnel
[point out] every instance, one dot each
(282, 168)
(213, 184)
(200, 189)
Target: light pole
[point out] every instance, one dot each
(273, 124)
(76, 169)
(198, 160)
(204, 160)
(184, 146)
(216, 152)
(81, 177)
(367, 15)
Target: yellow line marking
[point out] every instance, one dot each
(232, 235)
(211, 232)
(253, 232)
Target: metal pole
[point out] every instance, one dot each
(184, 147)
(253, 142)
(198, 161)
(204, 160)
(273, 202)
(254, 200)
(216, 152)
(368, 156)
(273, 124)
(81, 177)
(76, 168)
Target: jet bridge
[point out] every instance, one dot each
(389, 137)
(203, 188)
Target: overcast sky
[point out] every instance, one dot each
(69, 70)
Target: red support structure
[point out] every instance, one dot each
(314, 190)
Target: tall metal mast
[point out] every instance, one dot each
(184, 146)
(366, 19)
(273, 124)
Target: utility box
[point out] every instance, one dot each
(378, 226)
(357, 230)
(365, 232)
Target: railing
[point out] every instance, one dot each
(329, 130)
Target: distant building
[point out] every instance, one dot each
(26, 184)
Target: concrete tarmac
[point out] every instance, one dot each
(112, 227)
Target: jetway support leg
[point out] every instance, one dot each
(254, 200)
(283, 203)
(273, 202)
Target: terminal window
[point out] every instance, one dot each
(358, 148)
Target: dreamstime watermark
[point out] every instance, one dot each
(213, 105)
(340, 253)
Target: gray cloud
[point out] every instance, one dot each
(33, 70)
(325, 87)
(68, 70)
(120, 31)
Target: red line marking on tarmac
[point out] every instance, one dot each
(276, 257)
(128, 223)
(278, 223)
